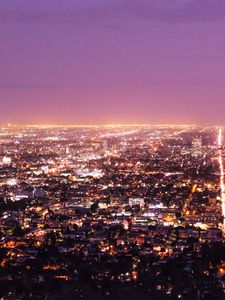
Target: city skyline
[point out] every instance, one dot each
(114, 62)
(112, 213)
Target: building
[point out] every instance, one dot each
(6, 160)
(137, 201)
(197, 147)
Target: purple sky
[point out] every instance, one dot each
(112, 61)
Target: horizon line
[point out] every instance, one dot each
(46, 125)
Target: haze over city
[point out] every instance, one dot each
(97, 62)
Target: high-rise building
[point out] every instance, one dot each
(197, 147)
(6, 160)
(137, 201)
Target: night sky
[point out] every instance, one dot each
(112, 61)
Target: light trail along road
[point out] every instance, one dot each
(221, 166)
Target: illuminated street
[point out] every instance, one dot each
(221, 165)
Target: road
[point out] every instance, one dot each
(221, 166)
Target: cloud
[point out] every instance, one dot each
(152, 10)
(164, 10)
(28, 85)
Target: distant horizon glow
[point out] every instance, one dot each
(107, 125)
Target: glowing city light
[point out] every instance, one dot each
(222, 185)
